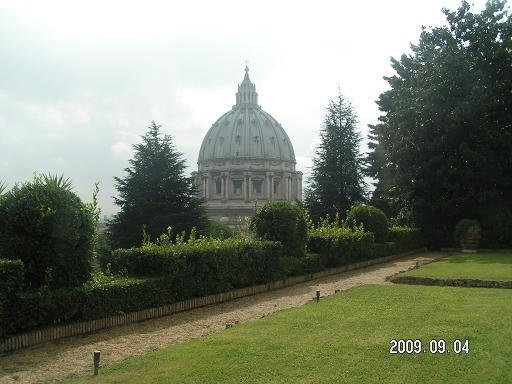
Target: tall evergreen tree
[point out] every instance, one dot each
(443, 142)
(336, 182)
(155, 193)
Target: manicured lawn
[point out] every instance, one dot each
(483, 266)
(345, 339)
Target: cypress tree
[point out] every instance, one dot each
(155, 193)
(336, 182)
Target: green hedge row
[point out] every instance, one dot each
(205, 266)
(170, 273)
(334, 246)
(405, 239)
(340, 245)
(97, 298)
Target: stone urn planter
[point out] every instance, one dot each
(471, 240)
(468, 234)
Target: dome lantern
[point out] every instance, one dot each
(246, 95)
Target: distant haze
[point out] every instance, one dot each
(80, 81)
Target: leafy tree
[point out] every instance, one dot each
(336, 182)
(442, 145)
(155, 193)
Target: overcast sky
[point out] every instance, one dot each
(81, 80)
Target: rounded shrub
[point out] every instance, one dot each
(372, 219)
(282, 221)
(45, 225)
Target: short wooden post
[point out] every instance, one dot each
(317, 295)
(96, 362)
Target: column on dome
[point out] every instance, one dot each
(299, 187)
(269, 185)
(293, 187)
(287, 186)
(275, 192)
(248, 184)
(206, 187)
(243, 187)
(226, 185)
(290, 187)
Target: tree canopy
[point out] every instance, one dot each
(336, 181)
(442, 145)
(155, 193)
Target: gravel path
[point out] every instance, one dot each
(56, 361)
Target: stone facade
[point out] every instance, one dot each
(246, 159)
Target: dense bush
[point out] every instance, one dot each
(405, 239)
(372, 219)
(285, 222)
(11, 284)
(11, 277)
(44, 224)
(341, 244)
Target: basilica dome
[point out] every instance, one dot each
(246, 159)
(246, 132)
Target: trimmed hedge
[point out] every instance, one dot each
(204, 266)
(94, 300)
(313, 262)
(175, 272)
(341, 245)
(170, 273)
(405, 239)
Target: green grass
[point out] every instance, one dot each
(345, 339)
(483, 266)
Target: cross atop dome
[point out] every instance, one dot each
(246, 95)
